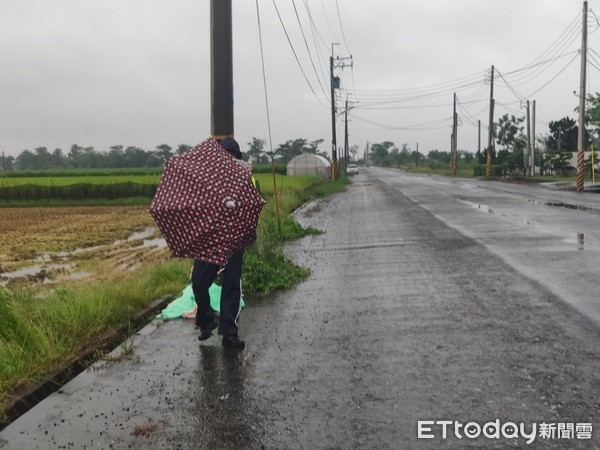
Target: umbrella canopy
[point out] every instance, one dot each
(205, 205)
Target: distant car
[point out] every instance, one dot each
(352, 169)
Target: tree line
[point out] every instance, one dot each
(118, 156)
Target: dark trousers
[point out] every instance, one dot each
(203, 275)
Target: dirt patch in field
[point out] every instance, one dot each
(48, 245)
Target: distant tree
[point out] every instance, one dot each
(8, 163)
(116, 157)
(353, 151)
(312, 147)
(379, 152)
(163, 152)
(436, 155)
(43, 158)
(256, 149)
(512, 142)
(467, 157)
(509, 132)
(58, 159)
(26, 161)
(559, 161)
(182, 148)
(137, 157)
(563, 135)
(291, 149)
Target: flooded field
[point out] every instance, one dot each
(50, 245)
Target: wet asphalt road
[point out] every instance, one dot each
(430, 299)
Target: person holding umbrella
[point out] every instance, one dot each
(203, 275)
(207, 208)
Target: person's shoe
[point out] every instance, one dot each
(233, 342)
(205, 333)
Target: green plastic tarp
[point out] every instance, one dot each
(186, 301)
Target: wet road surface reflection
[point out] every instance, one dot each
(225, 412)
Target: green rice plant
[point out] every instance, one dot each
(87, 179)
(60, 173)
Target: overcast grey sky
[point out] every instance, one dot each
(137, 72)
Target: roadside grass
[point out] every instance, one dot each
(40, 334)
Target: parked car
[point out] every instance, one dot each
(352, 169)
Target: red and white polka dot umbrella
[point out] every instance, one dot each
(206, 206)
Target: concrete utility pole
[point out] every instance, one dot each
(454, 142)
(479, 137)
(221, 58)
(488, 165)
(346, 135)
(335, 84)
(526, 158)
(418, 154)
(581, 131)
(533, 141)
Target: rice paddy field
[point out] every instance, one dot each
(52, 245)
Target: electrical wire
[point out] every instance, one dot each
(519, 96)
(315, 33)
(553, 78)
(262, 58)
(431, 125)
(308, 49)
(564, 40)
(296, 57)
(337, 6)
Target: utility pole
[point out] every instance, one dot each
(418, 154)
(581, 131)
(221, 80)
(526, 158)
(533, 141)
(488, 166)
(335, 84)
(346, 135)
(454, 141)
(478, 138)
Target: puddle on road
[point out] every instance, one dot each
(479, 206)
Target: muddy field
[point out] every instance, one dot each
(62, 244)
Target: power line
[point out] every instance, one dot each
(431, 125)
(337, 6)
(308, 49)
(262, 58)
(553, 78)
(519, 96)
(296, 56)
